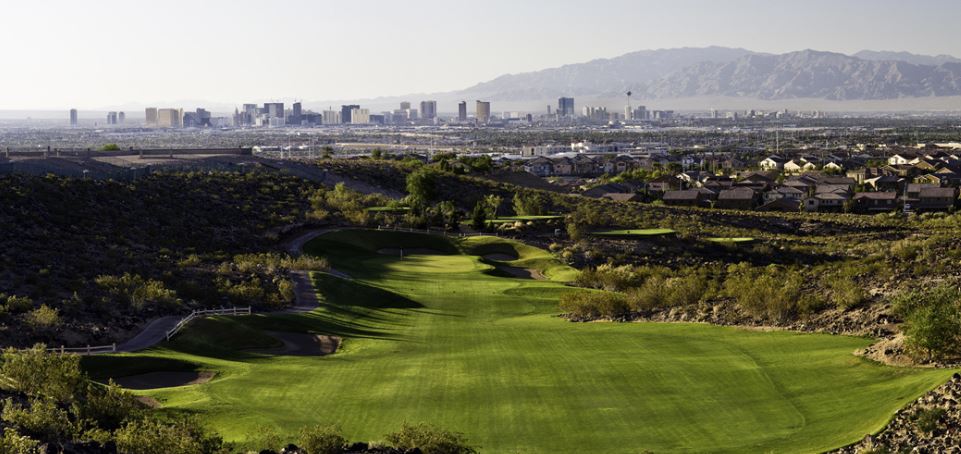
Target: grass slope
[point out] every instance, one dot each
(438, 339)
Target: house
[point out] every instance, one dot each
(931, 198)
(757, 181)
(563, 166)
(803, 183)
(584, 165)
(739, 198)
(826, 202)
(623, 197)
(717, 183)
(902, 158)
(875, 202)
(690, 197)
(609, 188)
(834, 167)
(799, 165)
(664, 183)
(785, 192)
(773, 162)
(540, 166)
(781, 205)
(618, 165)
(885, 183)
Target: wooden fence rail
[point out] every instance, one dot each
(232, 311)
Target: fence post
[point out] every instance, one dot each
(88, 349)
(114, 348)
(62, 350)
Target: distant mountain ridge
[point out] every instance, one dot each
(721, 71)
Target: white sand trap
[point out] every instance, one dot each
(156, 380)
(523, 273)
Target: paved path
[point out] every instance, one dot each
(152, 334)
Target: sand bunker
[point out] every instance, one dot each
(155, 380)
(303, 344)
(523, 273)
(408, 251)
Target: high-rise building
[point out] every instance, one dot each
(345, 113)
(483, 111)
(462, 111)
(359, 116)
(640, 113)
(428, 110)
(74, 118)
(111, 118)
(296, 115)
(404, 105)
(331, 117)
(122, 118)
(153, 120)
(248, 117)
(170, 118)
(274, 109)
(565, 107)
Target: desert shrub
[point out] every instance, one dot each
(430, 440)
(929, 420)
(15, 304)
(43, 317)
(149, 436)
(39, 374)
(608, 277)
(138, 292)
(932, 320)
(846, 292)
(652, 294)
(592, 305)
(109, 406)
(771, 293)
(322, 439)
(14, 443)
(40, 418)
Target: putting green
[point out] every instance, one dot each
(443, 339)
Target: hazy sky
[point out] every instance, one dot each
(91, 54)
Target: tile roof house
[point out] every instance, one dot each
(690, 197)
(875, 202)
(739, 198)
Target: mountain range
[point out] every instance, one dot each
(886, 79)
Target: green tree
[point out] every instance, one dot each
(932, 320)
(322, 439)
(422, 187)
(110, 147)
(430, 440)
(479, 216)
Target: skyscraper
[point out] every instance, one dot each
(170, 118)
(111, 118)
(122, 118)
(483, 111)
(73, 118)
(359, 116)
(153, 120)
(565, 107)
(404, 105)
(462, 111)
(345, 113)
(428, 110)
(296, 115)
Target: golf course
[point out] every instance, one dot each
(446, 333)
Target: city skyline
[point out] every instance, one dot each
(101, 56)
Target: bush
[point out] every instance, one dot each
(147, 436)
(932, 320)
(929, 420)
(430, 440)
(14, 443)
(109, 406)
(138, 292)
(846, 293)
(322, 439)
(39, 374)
(43, 317)
(41, 418)
(593, 305)
(771, 293)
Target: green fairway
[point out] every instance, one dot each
(636, 233)
(441, 337)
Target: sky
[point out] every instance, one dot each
(59, 54)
